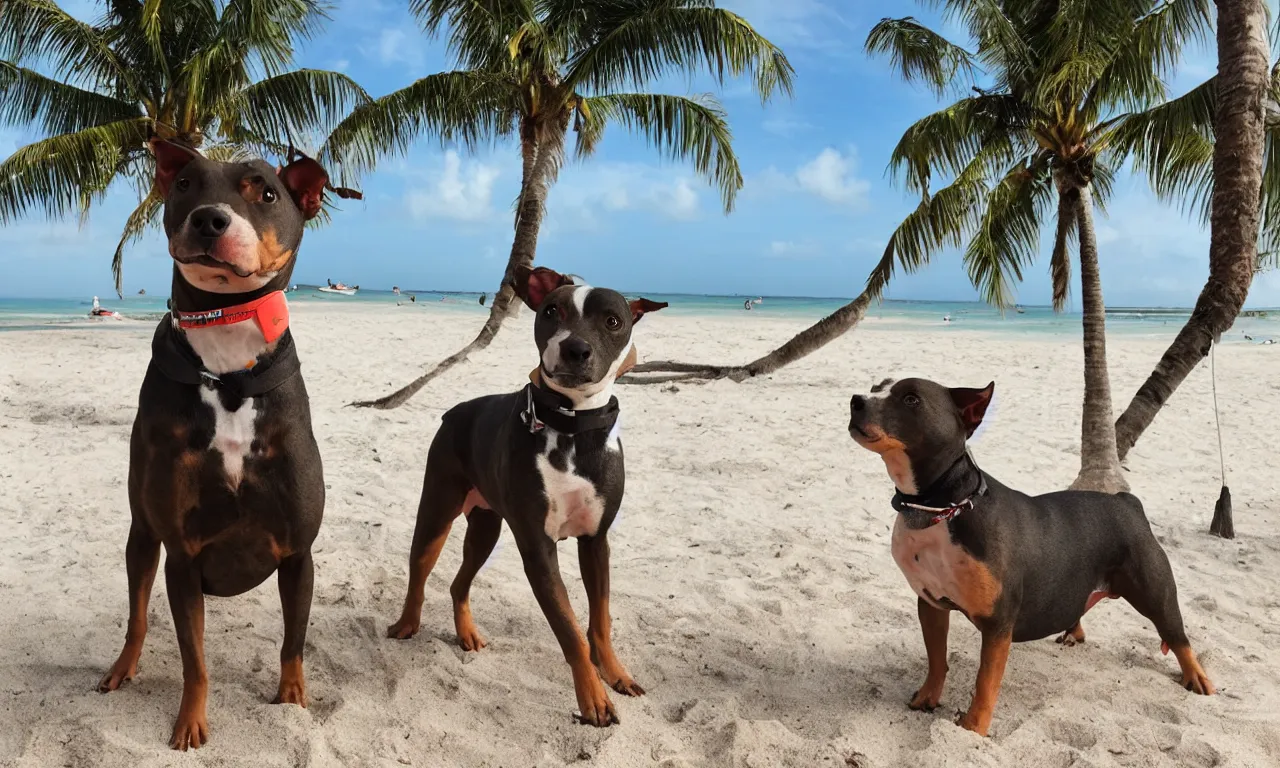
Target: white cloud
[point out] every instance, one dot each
(395, 47)
(459, 192)
(341, 65)
(584, 192)
(785, 126)
(830, 176)
(786, 249)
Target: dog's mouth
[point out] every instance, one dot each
(864, 436)
(206, 260)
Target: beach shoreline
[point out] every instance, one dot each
(754, 595)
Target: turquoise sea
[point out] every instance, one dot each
(54, 313)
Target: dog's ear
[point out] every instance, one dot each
(171, 158)
(972, 404)
(640, 307)
(533, 285)
(305, 179)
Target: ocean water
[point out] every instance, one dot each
(33, 314)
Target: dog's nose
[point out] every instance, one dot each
(575, 350)
(210, 221)
(858, 403)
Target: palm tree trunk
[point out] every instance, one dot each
(1099, 462)
(809, 340)
(1233, 223)
(538, 164)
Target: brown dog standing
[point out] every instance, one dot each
(223, 468)
(1019, 567)
(547, 461)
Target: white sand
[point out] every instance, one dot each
(754, 595)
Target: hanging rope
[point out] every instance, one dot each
(1217, 420)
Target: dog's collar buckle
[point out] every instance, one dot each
(940, 514)
(530, 414)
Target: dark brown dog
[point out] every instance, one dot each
(223, 468)
(547, 460)
(1019, 567)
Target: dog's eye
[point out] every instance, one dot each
(269, 195)
(612, 323)
(550, 312)
(183, 185)
(911, 400)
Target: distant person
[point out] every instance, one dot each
(395, 289)
(330, 282)
(142, 291)
(747, 305)
(483, 298)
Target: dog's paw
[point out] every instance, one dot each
(403, 629)
(190, 732)
(977, 723)
(594, 706)
(120, 672)
(1071, 637)
(470, 638)
(627, 687)
(1198, 682)
(292, 692)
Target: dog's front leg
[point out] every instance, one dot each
(542, 567)
(935, 623)
(593, 556)
(295, 579)
(995, 653)
(186, 601)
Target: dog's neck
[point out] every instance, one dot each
(960, 480)
(225, 348)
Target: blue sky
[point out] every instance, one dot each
(812, 219)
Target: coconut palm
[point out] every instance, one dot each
(533, 69)
(1218, 150)
(178, 69)
(1046, 86)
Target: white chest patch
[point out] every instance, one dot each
(227, 348)
(935, 567)
(232, 434)
(573, 506)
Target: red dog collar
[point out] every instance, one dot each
(271, 312)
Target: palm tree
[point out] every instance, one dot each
(531, 69)
(1057, 78)
(178, 69)
(1217, 148)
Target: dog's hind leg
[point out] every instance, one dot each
(1146, 582)
(141, 559)
(483, 528)
(441, 502)
(593, 557)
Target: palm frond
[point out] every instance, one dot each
(142, 219)
(294, 104)
(1060, 262)
(1267, 261)
(682, 128)
(63, 174)
(38, 30)
(268, 28)
(1008, 231)
(920, 54)
(945, 142)
(662, 37)
(939, 221)
(1148, 53)
(28, 97)
(1173, 145)
(480, 30)
(470, 108)
(1000, 44)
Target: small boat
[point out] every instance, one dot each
(101, 311)
(1018, 308)
(341, 288)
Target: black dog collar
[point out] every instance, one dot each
(548, 409)
(175, 358)
(924, 510)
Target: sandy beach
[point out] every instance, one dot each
(754, 595)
